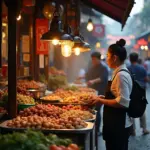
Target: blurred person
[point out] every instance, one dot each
(147, 66)
(80, 75)
(116, 122)
(140, 75)
(96, 78)
(140, 61)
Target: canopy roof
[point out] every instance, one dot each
(118, 10)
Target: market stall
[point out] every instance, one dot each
(43, 103)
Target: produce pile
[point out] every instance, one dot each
(26, 84)
(37, 122)
(23, 99)
(84, 115)
(57, 79)
(55, 112)
(42, 111)
(75, 97)
(31, 140)
(51, 97)
(87, 90)
(77, 107)
(55, 71)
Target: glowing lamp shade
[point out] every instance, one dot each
(90, 25)
(77, 51)
(66, 50)
(55, 42)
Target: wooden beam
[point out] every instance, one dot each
(12, 105)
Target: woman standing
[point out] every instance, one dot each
(116, 122)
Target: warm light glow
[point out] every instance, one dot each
(146, 48)
(98, 45)
(66, 50)
(142, 47)
(55, 42)
(77, 51)
(19, 17)
(102, 56)
(90, 26)
(3, 34)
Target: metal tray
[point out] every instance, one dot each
(91, 120)
(89, 127)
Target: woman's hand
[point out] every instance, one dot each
(97, 100)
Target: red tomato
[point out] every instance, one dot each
(63, 147)
(73, 147)
(54, 147)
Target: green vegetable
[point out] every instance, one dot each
(30, 140)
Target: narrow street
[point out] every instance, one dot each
(138, 142)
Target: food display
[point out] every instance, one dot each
(34, 140)
(37, 122)
(70, 147)
(23, 99)
(71, 99)
(26, 84)
(77, 97)
(87, 90)
(75, 107)
(56, 81)
(55, 71)
(64, 94)
(55, 112)
(42, 111)
(84, 115)
(51, 97)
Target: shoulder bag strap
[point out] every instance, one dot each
(120, 71)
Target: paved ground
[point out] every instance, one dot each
(138, 142)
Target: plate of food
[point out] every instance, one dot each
(51, 98)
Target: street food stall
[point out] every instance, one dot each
(35, 96)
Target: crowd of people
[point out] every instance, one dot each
(115, 94)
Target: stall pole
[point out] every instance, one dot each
(32, 45)
(35, 56)
(1, 33)
(12, 11)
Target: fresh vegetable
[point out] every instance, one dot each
(31, 140)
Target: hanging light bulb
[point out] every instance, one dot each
(66, 50)
(90, 25)
(19, 17)
(77, 51)
(55, 42)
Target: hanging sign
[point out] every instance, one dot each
(41, 28)
(99, 30)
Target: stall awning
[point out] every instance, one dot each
(118, 10)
